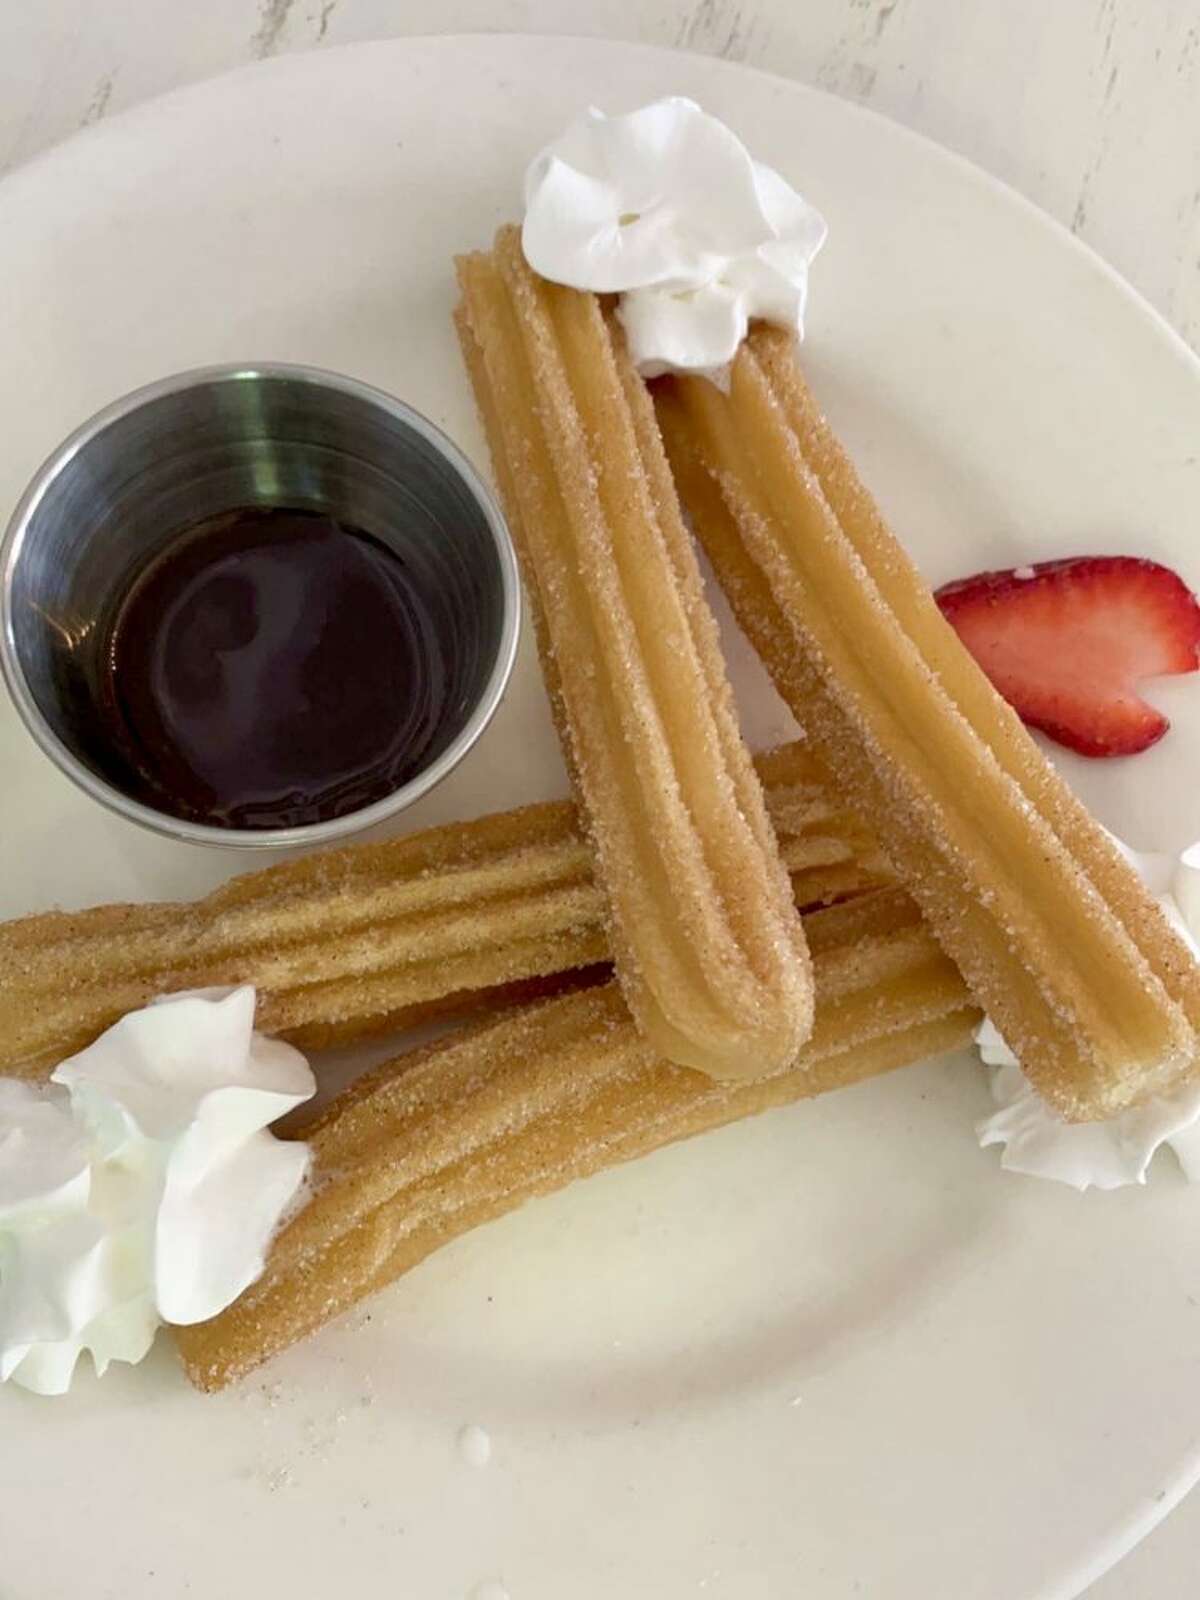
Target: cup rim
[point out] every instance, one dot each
(309, 833)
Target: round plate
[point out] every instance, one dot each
(833, 1351)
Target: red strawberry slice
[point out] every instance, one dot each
(1066, 643)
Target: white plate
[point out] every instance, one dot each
(831, 1352)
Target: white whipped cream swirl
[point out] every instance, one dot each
(666, 207)
(141, 1185)
(1110, 1154)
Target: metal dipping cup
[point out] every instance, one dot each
(214, 440)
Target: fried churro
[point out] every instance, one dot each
(458, 1133)
(1052, 929)
(368, 938)
(707, 945)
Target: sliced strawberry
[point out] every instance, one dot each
(1066, 643)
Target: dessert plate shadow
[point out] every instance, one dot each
(834, 1351)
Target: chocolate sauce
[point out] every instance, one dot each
(272, 667)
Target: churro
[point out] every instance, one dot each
(458, 1133)
(371, 937)
(1052, 929)
(706, 942)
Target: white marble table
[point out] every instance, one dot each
(1089, 107)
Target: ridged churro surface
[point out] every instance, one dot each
(1052, 929)
(439, 1141)
(707, 946)
(368, 938)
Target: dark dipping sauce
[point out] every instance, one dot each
(271, 668)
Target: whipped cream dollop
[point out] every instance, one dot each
(1110, 1154)
(141, 1184)
(666, 207)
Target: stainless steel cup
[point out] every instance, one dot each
(214, 440)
